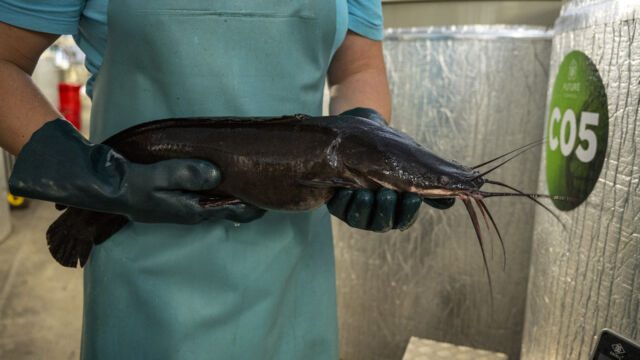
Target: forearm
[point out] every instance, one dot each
(357, 77)
(364, 89)
(23, 108)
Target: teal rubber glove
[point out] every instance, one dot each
(379, 210)
(57, 164)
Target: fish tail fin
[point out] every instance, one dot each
(72, 235)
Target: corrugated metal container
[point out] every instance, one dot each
(588, 277)
(5, 221)
(469, 94)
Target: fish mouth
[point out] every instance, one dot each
(426, 192)
(437, 192)
(461, 192)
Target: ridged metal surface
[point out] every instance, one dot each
(5, 223)
(588, 277)
(469, 94)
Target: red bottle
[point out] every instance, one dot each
(69, 104)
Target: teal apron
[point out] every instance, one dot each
(216, 290)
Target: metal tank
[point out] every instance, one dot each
(587, 277)
(468, 93)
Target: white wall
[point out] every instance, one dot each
(403, 13)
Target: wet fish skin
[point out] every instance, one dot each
(260, 159)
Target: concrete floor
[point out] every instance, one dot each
(40, 301)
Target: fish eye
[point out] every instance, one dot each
(444, 180)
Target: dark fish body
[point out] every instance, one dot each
(260, 160)
(290, 163)
(293, 163)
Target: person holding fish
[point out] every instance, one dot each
(181, 281)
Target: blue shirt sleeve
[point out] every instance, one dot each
(55, 17)
(365, 18)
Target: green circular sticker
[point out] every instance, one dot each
(577, 131)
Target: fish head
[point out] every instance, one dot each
(384, 157)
